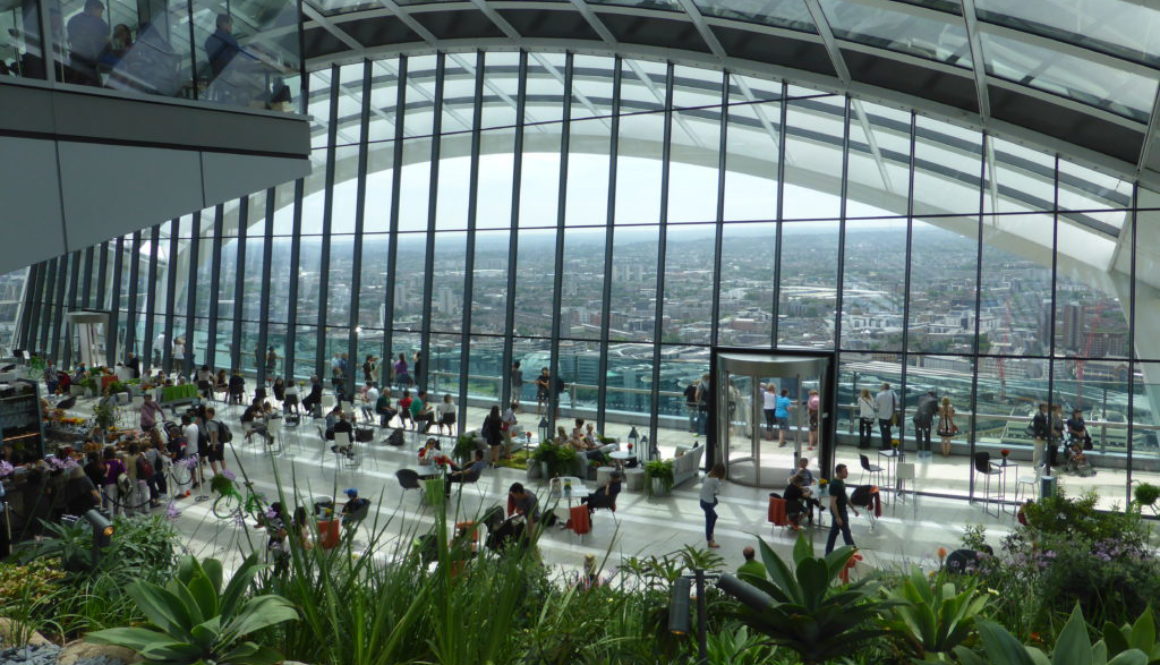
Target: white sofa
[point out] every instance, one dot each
(687, 463)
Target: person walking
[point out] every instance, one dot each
(946, 425)
(867, 412)
(402, 377)
(885, 403)
(709, 490)
(691, 405)
(839, 502)
(493, 432)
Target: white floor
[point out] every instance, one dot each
(908, 531)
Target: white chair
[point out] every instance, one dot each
(1020, 483)
(345, 449)
(904, 474)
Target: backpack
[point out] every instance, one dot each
(224, 433)
(144, 468)
(395, 438)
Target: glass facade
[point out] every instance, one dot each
(616, 219)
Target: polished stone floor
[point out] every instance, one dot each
(910, 530)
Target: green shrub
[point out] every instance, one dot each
(195, 620)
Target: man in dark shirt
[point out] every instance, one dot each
(839, 503)
(222, 47)
(691, 405)
(88, 35)
(1078, 430)
(468, 474)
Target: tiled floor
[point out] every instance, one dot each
(910, 531)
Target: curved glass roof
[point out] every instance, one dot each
(1079, 77)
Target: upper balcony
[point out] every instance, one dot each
(116, 115)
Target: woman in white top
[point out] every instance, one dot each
(769, 404)
(866, 414)
(709, 490)
(445, 413)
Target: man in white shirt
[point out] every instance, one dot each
(885, 403)
(372, 394)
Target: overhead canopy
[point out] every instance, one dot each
(1078, 77)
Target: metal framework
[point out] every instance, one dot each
(736, 109)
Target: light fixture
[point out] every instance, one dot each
(749, 595)
(633, 437)
(679, 607)
(545, 430)
(102, 532)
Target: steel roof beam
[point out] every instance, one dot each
(829, 41)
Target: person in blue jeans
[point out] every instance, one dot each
(840, 519)
(709, 490)
(781, 415)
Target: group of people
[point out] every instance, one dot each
(931, 414)
(1049, 430)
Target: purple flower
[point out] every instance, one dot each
(171, 511)
(5, 468)
(229, 474)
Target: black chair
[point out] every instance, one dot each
(409, 480)
(605, 501)
(67, 403)
(872, 469)
(983, 465)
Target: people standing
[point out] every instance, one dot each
(710, 488)
(814, 409)
(839, 503)
(370, 370)
(151, 412)
(493, 432)
(924, 414)
(543, 385)
(509, 424)
(1040, 429)
(517, 382)
(1056, 435)
(271, 362)
(781, 415)
(216, 449)
(691, 405)
(769, 406)
(867, 412)
(704, 397)
(885, 403)
(402, 377)
(946, 425)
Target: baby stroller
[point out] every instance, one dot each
(1075, 460)
(174, 439)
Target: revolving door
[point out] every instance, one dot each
(770, 408)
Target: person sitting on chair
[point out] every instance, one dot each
(1077, 428)
(351, 509)
(605, 495)
(340, 426)
(797, 501)
(468, 474)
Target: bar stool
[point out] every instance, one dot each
(903, 474)
(983, 465)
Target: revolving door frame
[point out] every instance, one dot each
(828, 389)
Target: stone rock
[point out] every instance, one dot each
(11, 630)
(81, 650)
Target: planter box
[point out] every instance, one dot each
(658, 488)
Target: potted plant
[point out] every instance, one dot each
(1146, 495)
(566, 461)
(89, 385)
(465, 448)
(659, 474)
(545, 456)
(103, 415)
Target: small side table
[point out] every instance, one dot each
(621, 457)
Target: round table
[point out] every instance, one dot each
(622, 456)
